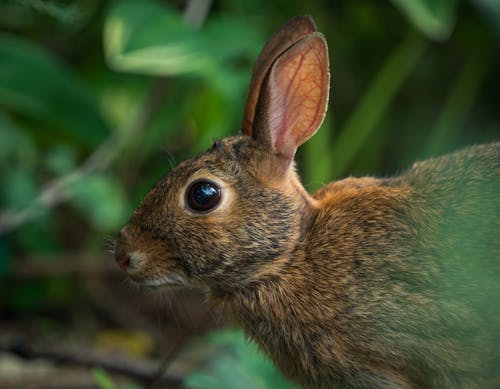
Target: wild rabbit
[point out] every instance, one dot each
(369, 283)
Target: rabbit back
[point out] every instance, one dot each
(397, 283)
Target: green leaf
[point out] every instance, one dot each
(26, 296)
(239, 365)
(102, 201)
(435, 18)
(15, 145)
(375, 102)
(102, 379)
(202, 381)
(150, 38)
(39, 236)
(459, 102)
(60, 159)
(72, 14)
(19, 186)
(35, 85)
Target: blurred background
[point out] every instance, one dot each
(99, 99)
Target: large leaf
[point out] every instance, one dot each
(240, 365)
(435, 18)
(150, 38)
(35, 85)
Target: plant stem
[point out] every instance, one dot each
(368, 113)
(459, 101)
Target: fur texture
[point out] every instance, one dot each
(369, 283)
(384, 283)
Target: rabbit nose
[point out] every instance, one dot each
(124, 262)
(122, 257)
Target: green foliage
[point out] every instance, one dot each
(212, 63)
(151, 38)
(51, 292)
(104, 381)
(147, 37)
(5, 259)
(35, 85)
(239, 365)
(102, 200)
(435, 18)
(369, 111)
(17, 158)
(460, 99)
(14, 143)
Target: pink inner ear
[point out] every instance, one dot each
(294, 30)
(298, 86)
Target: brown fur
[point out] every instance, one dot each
(370, 283)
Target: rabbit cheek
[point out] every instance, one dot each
(230, 251)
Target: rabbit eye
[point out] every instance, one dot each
(203, 195)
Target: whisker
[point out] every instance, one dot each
(171, 158)
(109, 244)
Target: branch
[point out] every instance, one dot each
(143, 371)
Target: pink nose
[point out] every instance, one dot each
(124, 263)
(122, 256)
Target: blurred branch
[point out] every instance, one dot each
(57, 191)
(143, 371)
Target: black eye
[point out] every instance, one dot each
(203, 195)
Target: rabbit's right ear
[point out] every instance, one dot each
(292, 100)
(290, 33)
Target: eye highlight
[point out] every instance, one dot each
(203, 195)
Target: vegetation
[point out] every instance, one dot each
(99, 99)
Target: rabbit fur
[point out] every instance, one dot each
(368, 283)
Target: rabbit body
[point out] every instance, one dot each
(392, 283)
(369, 283)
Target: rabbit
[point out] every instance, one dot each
(368, 283)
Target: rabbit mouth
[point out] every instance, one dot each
(171, 279)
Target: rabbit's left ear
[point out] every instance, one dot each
(293, 97)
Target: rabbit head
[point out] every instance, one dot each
(224, 218)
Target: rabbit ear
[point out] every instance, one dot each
(293, 97)
(294, 30)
